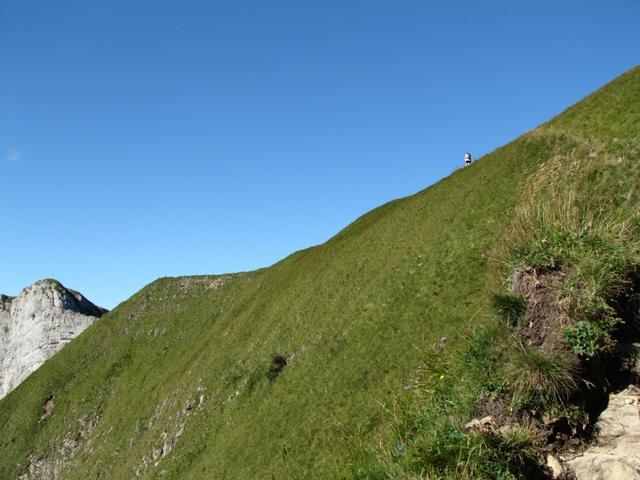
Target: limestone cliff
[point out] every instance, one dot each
(615, 455)
(37, 323)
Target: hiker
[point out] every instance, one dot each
(467, 159)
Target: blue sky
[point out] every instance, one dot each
(142, 139)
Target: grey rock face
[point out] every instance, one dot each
(616, 455)
(37, 323)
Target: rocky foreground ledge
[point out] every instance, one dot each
(615, 455)
(37, 323)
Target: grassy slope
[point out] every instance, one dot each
(579, 213)
(355, 313)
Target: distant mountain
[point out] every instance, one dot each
(35, 324)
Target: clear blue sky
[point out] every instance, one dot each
(142, 139)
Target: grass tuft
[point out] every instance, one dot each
(532, 372)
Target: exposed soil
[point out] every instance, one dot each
(497, 407)
(541, 327)
(545, 317)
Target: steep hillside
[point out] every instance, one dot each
(309, 368)
(37, 323)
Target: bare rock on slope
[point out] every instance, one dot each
(37, 323)
(616, 454)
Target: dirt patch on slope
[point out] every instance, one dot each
(545, 318)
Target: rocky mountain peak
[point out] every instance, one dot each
(37, 323)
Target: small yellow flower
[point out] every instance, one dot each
(441, 377)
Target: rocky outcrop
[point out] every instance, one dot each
(616, 454)
(37, 323)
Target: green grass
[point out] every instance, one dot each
(366, 391)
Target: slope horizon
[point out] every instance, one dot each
(295, 252)
(203, 137)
